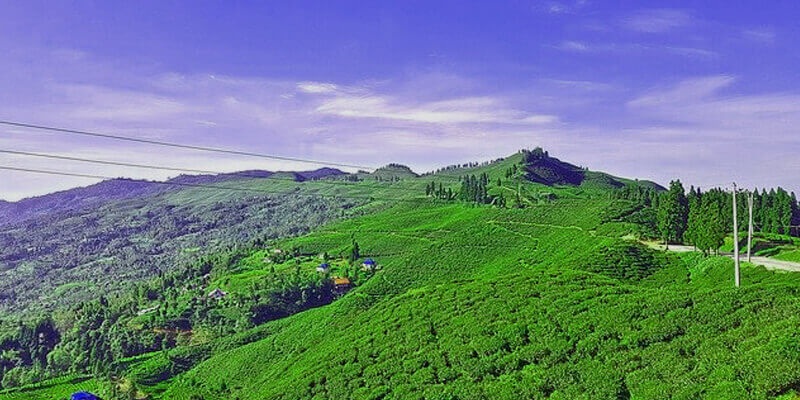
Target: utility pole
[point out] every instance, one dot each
(735, 240)
(750, 227)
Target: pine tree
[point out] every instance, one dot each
(354, 252)
(694, 227)
(673, 214)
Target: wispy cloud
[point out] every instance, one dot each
(707, 112)
(316, 87)
(760, 35)
(685, 92)
(562, 7)
(574, 46)
(458, 110)
(302, 118)
(579, 84)
(658, 20)
(634, 48)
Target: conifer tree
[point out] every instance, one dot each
(694, 227)
(673, 213)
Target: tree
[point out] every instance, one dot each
(711, 227)
(354, 252)
(694, 224)
(673, 213)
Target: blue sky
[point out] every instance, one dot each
(706, 92)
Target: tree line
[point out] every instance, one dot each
(474, 189)
(704, 219)
(92, 336)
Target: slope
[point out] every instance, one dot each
(66, 247)
(487, 303)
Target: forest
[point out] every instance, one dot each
(704, 219)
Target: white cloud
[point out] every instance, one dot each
(658, 20)
(571, 45)
(446, 111)
(317, 87)
(104, 103)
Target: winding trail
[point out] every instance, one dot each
(769, 263)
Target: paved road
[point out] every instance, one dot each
(769, 263)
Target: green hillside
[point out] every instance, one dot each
(549, 296)
(494, 303)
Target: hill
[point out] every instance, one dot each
(482, 302)
(486, 303)
(550, 296)
(59, 249)
(392, 172)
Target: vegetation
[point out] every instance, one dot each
(550, 295)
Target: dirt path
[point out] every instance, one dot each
(769, 263)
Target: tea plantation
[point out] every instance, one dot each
(551, 296)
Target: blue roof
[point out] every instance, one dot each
(83, 396)
(369, 261)
(324, 265)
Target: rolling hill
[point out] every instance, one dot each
(553, 297)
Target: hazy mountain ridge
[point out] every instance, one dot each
(79, 198)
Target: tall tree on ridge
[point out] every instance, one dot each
(673, 213)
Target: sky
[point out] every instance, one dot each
(708, 92)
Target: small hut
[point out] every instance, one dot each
(369, 265)
(323, 268)
(217, 294)
(341, 285)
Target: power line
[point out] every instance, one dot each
(179, 145)
(443, 175)
(200, 185)
(176, 169)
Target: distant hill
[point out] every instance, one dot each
(303, 176)
(74, 199)
(117, 231)
(393, 172)
(119, 189)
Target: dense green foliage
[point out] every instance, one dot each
(530, 319)
(65, 258)
(553, 297)
(673, 213)
(704, 219)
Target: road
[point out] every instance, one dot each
(769, 263)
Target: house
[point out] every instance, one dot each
(217, 294)
(323, 268)
(341, 285)
(147, 310)
(369, 265)
(83, 396)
